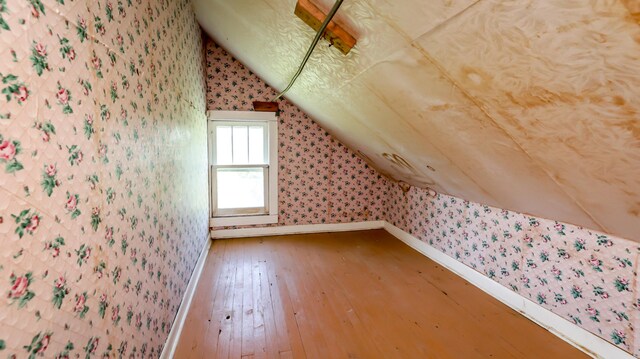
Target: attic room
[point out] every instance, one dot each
(319, 179)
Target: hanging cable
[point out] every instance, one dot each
(319, 34)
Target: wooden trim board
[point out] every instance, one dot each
(307, 228)
(337, 35)
(178, 323)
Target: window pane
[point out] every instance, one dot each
(240, 145)
(223, 145)
(256, 145)
(240, 187)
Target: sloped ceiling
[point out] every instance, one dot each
(532, 106)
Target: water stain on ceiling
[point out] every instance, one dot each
(531, 106)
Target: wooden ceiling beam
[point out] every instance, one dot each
(334, 33)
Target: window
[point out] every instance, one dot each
(243, 172)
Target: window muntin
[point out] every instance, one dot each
(243, 168)
(241, 143)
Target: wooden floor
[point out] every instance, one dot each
(348, 295)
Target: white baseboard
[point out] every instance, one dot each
(582, 339)
(174, 335)
(307, 228)
(243, 220)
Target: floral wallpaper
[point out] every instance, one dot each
(585, 276)
(102, 167)
(320, 180)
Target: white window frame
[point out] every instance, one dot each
(270, 212)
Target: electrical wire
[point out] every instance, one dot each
(319, 34)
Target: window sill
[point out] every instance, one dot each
(243, 220)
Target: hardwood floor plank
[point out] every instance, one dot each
(297, 277)
(356, 344)
(269, 335)
(335, 328)
(290, 340)
(193, 342)
(235, 313)
(370, 300)
(247, 312)
(348, 295)
(216, 304)
(258, 333)
(225, 316)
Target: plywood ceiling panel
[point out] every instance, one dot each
(527, 105)
(440, 113)
(410, 156)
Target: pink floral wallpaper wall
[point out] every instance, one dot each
(102, 170)
(321, 180)
(587, 277)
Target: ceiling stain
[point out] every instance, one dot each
(404, 165)
(475, 77)
(443, 107)
(634, 9)
(398, 160)
(513, 121)
(632, 126)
